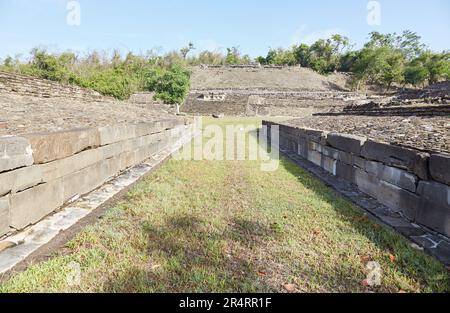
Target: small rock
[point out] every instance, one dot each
(290, 287)
(417, 247)
(6, 245)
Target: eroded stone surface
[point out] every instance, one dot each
(33, 204)
(52, 146)
(15, 152)
(347, 143)
(440, 167)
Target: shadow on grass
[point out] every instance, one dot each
(196, 257)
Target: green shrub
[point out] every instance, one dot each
(170, 86)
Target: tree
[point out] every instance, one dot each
(184, 51)
(416, 74)
(171, 85)
(233, 55)
(302, 55)
(8, 62)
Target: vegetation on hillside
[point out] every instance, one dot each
(111, 75)
(385, 60)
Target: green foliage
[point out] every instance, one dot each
(390, 58)
(234, 56)
(323, 56)
(416, 74)
(385, 60)
(170, 85)
(111, 75)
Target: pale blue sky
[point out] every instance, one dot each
(253, 25)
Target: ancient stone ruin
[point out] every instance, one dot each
(58, 143)
(390, 155)
(264, 91)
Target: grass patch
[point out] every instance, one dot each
(226, 226)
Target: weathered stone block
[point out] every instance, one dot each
(389, 154)
(315, 157)
(435, 192)
(144, 129)
(312, 134)
(345, 171)
(390, 195)
(30, 206)
(346, 157)
(330, 152)
(347, 143)
(4, 215)
(49, 147)
(113, 134)
(440, 168)
(421, 165)
(20, 179)
(434, 206)
(60, 168)
(314, 146)
(359, 162)
(392, 175)
(302, 148)
(15, 152)
(90, 178)
(329, 165)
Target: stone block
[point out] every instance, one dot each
(90, 178)
(4, 215)
(440, 168)
(315, 157)
(117, 133)
(359, 162)
(312, 134)
(393, 175)
(144, 129)
(302, 148)
(30, 206)
(347, 143)
(345, 171)
(60, 168)
(434, 206)
(435, 192)
(346, 157)
(49, 147)
(314, 146)
(329, 165)
(330, 152)
(20, 179)
(390, 154)
(394, 197)
(421, 165)
(15, 152)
